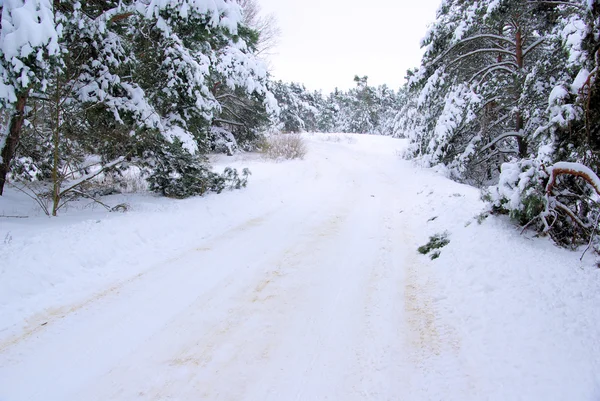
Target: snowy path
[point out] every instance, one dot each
(318, 296)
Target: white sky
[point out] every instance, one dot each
(324, 43)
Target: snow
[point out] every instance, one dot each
(26, 28)
(305, 285)
(580, 80)
(558, 94)
(573, 36)
(187, 139)
(27, 25)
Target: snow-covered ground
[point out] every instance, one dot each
(307, 285)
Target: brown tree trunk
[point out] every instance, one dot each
(521, 141)
(56, 179)
(12, 140)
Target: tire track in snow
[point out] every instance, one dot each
(434, 344)
(42, 321)
(267, 301)
(380, 357)
(241, 234)
(190, 367)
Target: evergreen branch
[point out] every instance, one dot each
(491, 69)
(463, 41)
(501, 137)
(533, 46)
(478, 51)
(218, 120)
(561, 3)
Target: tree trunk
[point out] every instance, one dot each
(56, 177)
(12, 139)
(521, 141)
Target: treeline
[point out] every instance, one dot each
(507, 98)
(363, 109)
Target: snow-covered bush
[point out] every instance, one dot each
(222, 141)
(179, 174)
(559, 200)
(285, 146)
(520, 191)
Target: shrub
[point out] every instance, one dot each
(179, 174)
(285, 147)
(558, 200)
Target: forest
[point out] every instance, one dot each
(505, 99)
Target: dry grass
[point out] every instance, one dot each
(285, 147)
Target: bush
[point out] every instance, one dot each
(222, 141)
(179, 174)
(285, 147)
(551, 200)
(520, 191)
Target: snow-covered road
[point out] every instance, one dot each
(313, 293)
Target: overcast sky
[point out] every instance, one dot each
(324, 43)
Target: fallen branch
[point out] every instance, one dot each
(88, 177)
(83, 194)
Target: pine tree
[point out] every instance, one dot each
(28, 48)
(117, 73)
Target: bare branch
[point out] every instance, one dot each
(232, 113)
(120, 17)
(88, 177)
(83, 194)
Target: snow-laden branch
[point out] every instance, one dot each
(499, 121)
(501, 137)
(508, 151)
(493, 67)
(500, 68)
(219, 120)
(475, 37)
(478, 51)
(560, 3)
(569, 212)
(490, 71)
(575, 169)
(533, 46)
